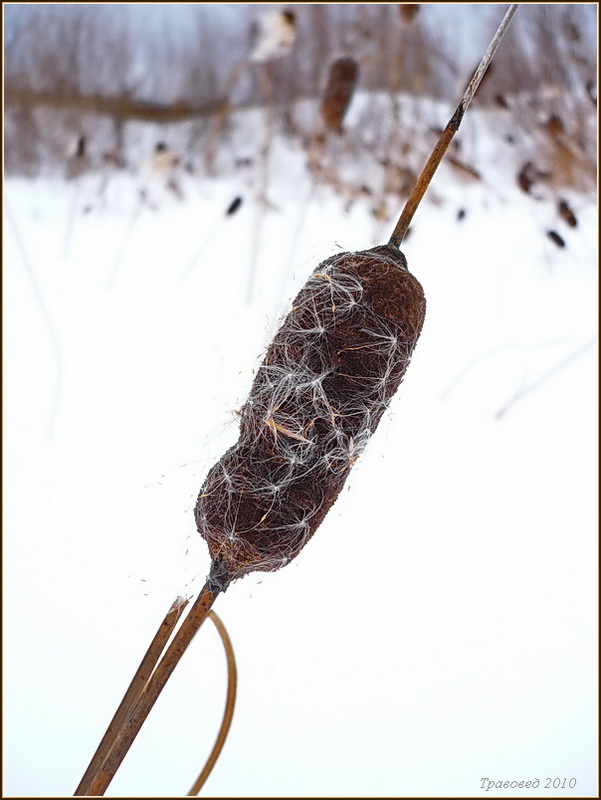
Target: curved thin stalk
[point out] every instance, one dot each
(232, 682)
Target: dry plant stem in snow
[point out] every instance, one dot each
(39, 296)
(327, 378)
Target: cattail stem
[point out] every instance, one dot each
(133, 693)
(232, 682)
(428, 171)
(422, 184)
(135, 717)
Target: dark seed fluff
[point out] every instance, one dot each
(326, 379)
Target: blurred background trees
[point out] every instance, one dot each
(88, 82)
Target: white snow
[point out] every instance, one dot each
(439, 628)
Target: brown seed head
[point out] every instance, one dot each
(325, 382)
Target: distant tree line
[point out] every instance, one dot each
(76, 70)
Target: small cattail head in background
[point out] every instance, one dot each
(342, 81)
(566, 213)
(408, 11)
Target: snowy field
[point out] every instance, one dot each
(439, 629)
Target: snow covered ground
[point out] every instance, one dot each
(440, 627)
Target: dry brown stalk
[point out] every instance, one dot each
(131, 719)
(428, 171)
(132, 694)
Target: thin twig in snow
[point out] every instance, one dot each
(45, 314)
(521, 393)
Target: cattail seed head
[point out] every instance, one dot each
(339, 91)
(408, 11)
(325, 382)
